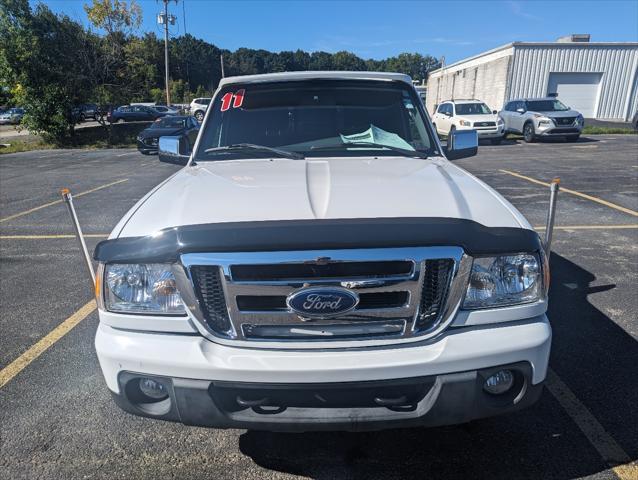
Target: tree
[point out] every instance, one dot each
(39, 60)
(114, 16)
(413, 64)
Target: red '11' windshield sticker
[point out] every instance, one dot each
(237, 99)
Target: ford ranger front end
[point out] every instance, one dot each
(320, 264)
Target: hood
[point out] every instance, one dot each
(555, 114)
(282, 189)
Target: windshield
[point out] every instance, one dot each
(472, 109)
(546, 106)
(316, 118)
(169, 122)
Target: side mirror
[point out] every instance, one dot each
(461, 144)
(520, 110)
(174, 150)
(494, 112)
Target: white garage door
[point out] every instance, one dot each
(576, 90)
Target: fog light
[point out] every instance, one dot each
(499, 383)
(153, 389)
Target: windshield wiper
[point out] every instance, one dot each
(403, 151)
(249, 146)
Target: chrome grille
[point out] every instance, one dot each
(433, 291)
(564, 120)
(210, 295)
(403, 292)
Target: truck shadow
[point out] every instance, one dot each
(592, 355)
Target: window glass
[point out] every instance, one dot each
(472, 109)
(546, 106)
(317, 118)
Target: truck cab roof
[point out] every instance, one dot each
(333, 75)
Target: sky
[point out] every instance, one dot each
(379, 29)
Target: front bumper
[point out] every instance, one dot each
(146, 148)
(484, 133)
(441, 378)
(422, 401)
(561, 130)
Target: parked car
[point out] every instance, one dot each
(134, 113)
(166, 109)
(468, 115)
(12, 116)
(89, 111)
(319, 264)
(634, 121)
(541, 117)
(180, 125)
(198, 108)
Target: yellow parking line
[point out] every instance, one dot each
(574, 192)
(628, 471)
(23, 361)
(588, 227)
(26, 212)
(601, 440)
(49, 237)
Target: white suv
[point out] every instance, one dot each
(468, 115)
(199, 107)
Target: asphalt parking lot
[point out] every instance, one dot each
(57, 419)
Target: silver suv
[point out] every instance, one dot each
(198, 108)
(541, 117)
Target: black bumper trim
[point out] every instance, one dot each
(353, 406)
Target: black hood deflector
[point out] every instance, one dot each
(167, 245)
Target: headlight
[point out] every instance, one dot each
(465, 123)
(142, 288)
(580, 120)
(504, 280)
(499, 121)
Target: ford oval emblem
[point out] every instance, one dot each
(322, 302)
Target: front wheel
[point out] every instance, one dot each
(199, 116)
(529, 135)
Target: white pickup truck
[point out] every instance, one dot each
(320, 264)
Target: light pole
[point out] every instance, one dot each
(164, 19)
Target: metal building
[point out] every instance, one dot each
(598, 79)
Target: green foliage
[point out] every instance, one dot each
(114, 15)
(596, 130)
(39, 54)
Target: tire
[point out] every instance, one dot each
(572, 138)
(82, 118)
(529, 135)
(199, 116)
(496, 141)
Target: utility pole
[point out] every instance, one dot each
(221, 61)
(164, 19)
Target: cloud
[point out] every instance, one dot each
(517, 9)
